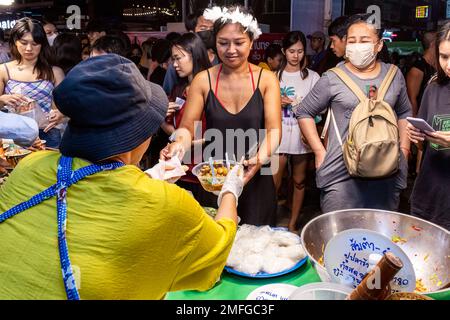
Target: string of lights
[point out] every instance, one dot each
(137, 10)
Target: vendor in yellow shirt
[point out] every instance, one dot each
(104, 229)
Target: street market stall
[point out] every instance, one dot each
(411, 238)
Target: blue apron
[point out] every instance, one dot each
(65, 178)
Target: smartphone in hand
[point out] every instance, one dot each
(420, 124)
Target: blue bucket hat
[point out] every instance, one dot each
(112, 108)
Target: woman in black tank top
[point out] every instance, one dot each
(243, 118)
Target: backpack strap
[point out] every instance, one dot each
(331, 118)
(336, 127)
(387, 82)
(354, 88)
(326, 125)
(433, 78)
(350, 83)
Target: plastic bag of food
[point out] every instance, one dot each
(169, 171)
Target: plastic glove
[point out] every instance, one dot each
(169, 171)
(171, 150)
(234, 183)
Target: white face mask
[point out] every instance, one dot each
(51, 38)
(360, 54)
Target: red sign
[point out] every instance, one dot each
(140, 36)
(260, 45)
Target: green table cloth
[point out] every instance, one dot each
(233, 287)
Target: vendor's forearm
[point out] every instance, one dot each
(309, 131)
(227, 208)
(269, 145)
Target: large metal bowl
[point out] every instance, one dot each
(427, 245)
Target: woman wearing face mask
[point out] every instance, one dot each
(295, 82)
(30, 78)
(429, 199)
(338, 189)
(242, 107)
(51, 32)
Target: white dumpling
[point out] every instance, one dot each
(295, 252)
(270, 251)
(245, 244)
(250, 264)
(277, 264)
(259, 243)
(265, 230)
(257, 249)
(285, 238)
(246, 230)
(242, 231)
(235, 256)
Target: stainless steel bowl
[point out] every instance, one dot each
(427, 245)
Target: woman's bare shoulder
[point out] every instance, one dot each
(255, 68)
(9, 65)
(202, 75)
(212, 71)
(57, 71)
(3, 66)
(203, 78)
(268, 78)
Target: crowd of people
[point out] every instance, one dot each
(107, 110)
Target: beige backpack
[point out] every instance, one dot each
(372, 148)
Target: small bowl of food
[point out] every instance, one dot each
(13, 156)
(213, 182)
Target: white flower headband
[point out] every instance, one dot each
(236, 16)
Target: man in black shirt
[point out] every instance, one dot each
(335, 52)
(161, 54)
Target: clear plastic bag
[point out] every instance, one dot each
(30, 108)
